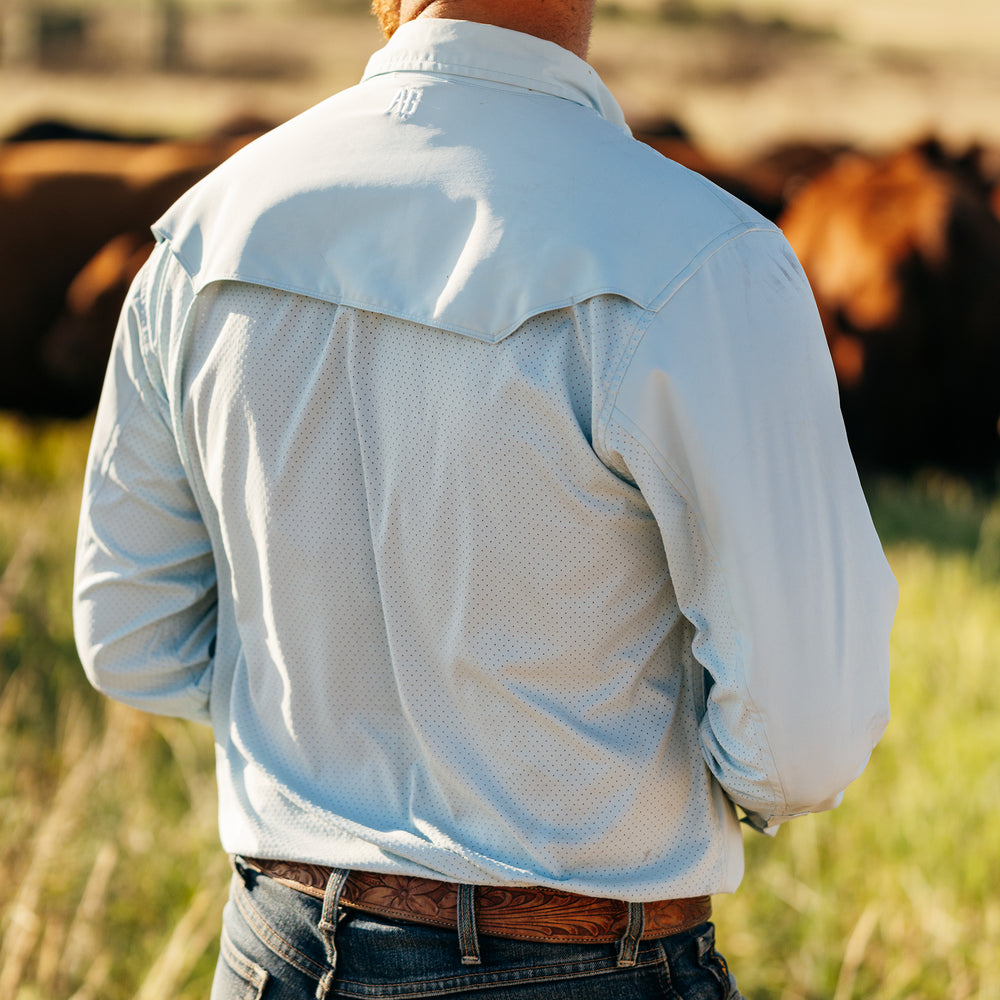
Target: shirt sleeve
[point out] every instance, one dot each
(144, 606)
(728, 420)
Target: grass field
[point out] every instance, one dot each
(114, 881)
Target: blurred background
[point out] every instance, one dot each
(739, 73)
(869, 130)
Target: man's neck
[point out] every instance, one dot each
(565, 22)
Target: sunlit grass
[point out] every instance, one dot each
(115, 881)
(107, 816)
(893, 894)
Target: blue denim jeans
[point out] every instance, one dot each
(280, 944)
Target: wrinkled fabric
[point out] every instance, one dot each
(479, 475)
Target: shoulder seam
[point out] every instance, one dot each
(706, 253)
(669, 290)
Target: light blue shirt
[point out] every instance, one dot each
(479, 475)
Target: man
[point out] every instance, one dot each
(479, 475)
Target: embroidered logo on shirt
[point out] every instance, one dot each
(404, 103)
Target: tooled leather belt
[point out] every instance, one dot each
(531, 913)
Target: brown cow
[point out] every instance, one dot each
(765, 181)
(75, 350)
(903, 255)
(765, 197)
(60, 202)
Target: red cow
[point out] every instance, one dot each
(60, 202)
(765, 182)
(903, 255)
(75, 350)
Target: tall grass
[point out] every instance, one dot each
(113, 878)
(893, 895)
(114, 882)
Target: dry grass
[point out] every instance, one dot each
(892, 897)
(107, 816)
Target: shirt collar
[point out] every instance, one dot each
(486, 52)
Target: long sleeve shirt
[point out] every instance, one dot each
(479, 475)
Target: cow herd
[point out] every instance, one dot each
(75, 212)
(902, 250)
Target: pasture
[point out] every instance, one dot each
(115, 881)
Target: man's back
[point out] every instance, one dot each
(505, 525)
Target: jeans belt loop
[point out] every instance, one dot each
(468, 939)
(628, 947)
(329, 918)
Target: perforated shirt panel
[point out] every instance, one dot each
(514, 552)
(453, 628)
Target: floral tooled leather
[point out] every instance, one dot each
(528, 913)
(405, 897)
(299, 875)
(561, 917)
